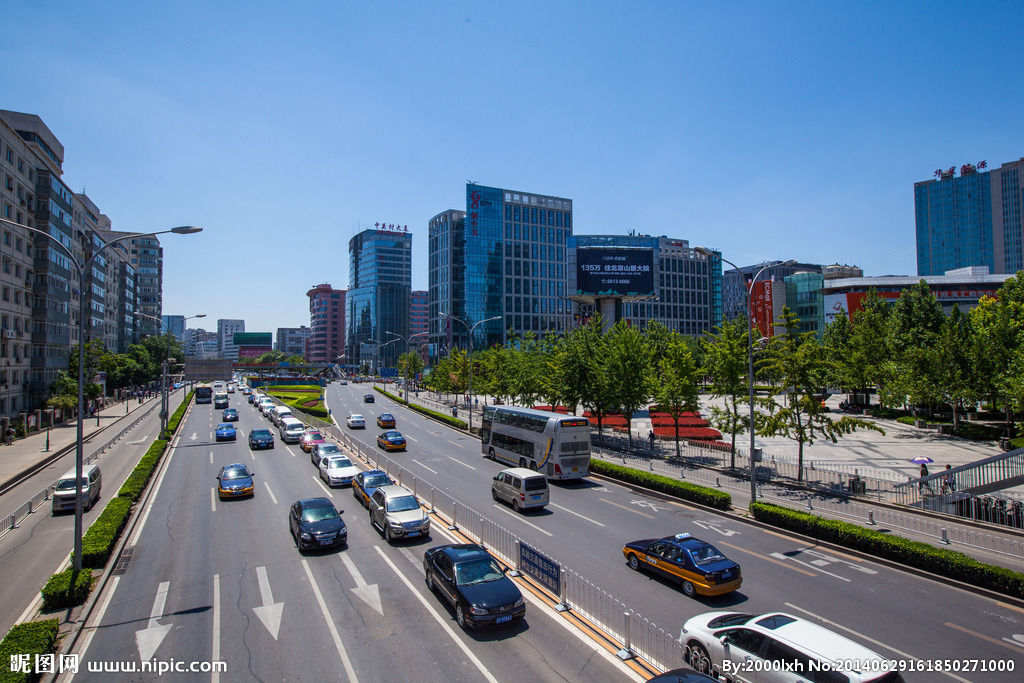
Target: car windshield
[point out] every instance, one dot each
(705, 554)
(225, 425)
(477, 571)
(314, 436)
(375, 480)
(319, 514)
(355, 417)
(326, 448)
(386, 418)
(260, 433)
(235, 473)
(68, 484)
(338, 463)
(393, 436)
(403, 503)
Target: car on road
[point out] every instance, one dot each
(246, 391)
(323, 450)
(386, 421)
(355, 421)
(315, 523)
(234, 481)
(343, 382)
(365, 483)
(265, 405)
(779, 647)
(397, 513)
(231, 388)
(261, 438)
(226, 432)
(229, 415)
(310, 438)
(220, 400)
(368, 398)
(337, 470)
(697, 566)
(391, 440)
(474, 584)
(521, 488)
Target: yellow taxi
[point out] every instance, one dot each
(698, 567)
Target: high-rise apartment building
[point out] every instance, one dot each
(974, 219)
(510, 249)
(326, 336)
(147, 258)
(226, 330)
(293, 340)
(380, 282)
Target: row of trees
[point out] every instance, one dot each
(908, 351)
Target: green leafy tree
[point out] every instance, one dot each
(958, 378)
(998, 325)
(409, 364)
(595, 389)
(799, 361)
(868, 351)
(676, 387)
(575, 370)
(914, 331)
(628, 371)
(726, 362)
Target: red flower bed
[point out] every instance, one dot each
(687, 421)
(656, 410)
(691, 433)
(557, 409)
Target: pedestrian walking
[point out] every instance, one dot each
(9, 436)
(921, 486)
(948, 481)
(650, 438)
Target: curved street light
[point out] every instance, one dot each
(407, 340)
(469, 357)
(750, 354)
(83, 269)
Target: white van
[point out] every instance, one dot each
(64, 492)
(291, 429)
(521, 487)
(279, 413)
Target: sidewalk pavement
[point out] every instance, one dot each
(26, 453)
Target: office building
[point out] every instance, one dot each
(504, 258)
(252, 344)
(640, 278)
(974, 219)
(326, 324)
(378, 298)
(201, 344)
(735, 284)
(175, 324)
(226, 346)
(293, 340)
(418, 317)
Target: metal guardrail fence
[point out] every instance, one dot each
(12, 520)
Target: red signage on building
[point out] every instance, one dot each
(761, 309)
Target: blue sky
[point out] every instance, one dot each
(768, 130)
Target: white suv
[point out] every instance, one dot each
(396, 512)
(778, 647)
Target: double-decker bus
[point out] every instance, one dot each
(204, 393)
(553, 444)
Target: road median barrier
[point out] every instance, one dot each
(657, 482)
(439, 416)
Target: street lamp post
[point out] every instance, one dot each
(165, 405)
(83, 270)
(407, 340)
(750, 356)
(470, 330)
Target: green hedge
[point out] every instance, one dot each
(924, 556)
(31, 638)
(443, 417)
(66, 589)
(136, 482)
(295, 401)
(98, 542)
(657, 482)
(175, 420)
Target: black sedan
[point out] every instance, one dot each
(315, 523)
(472, 581)
(229, 415)
(261, 438)
(368, 398)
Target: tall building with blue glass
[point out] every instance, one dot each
(380, 283)
(504, 258)
(973, 219)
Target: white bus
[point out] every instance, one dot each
(556, 445)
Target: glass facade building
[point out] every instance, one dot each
(974, 219)
(446, 290)
(378, 298)
(805, 297)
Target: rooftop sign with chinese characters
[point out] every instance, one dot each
(391, 227)
(966, 169)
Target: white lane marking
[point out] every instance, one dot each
(215, 640)
(213, 500)
(326, 490)
(211, 457)
(870, 640)
(330, 623)
(437, 617)
(272, 496)
(148, 640)
(269, 612)
(499, 506)
(290, 451)
(412, 558)
(424, 466)
(153, 497)
(252, 454)
(461, 463)
(809, 565)
(572, 512)
(409, 438)
(368, 593)
(455, 443)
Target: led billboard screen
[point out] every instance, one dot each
(614, 272)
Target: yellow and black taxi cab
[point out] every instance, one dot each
(697, 566)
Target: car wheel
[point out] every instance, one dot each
(689, 590)
(430, 581)
(515, 505)
(698, 658)
(494, 494)
(460, 616)
(533, 465)
(522, 462)
(634, 562)
(490, 452)
(387, 534)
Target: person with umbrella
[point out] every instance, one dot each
(923, 461)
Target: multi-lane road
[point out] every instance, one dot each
(221, 581)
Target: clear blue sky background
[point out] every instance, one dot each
(769, 130)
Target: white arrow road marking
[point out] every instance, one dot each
(367, 593)
(269, 612)
(809, 565)
(712, 526)
(149, 638)
(194, 436)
